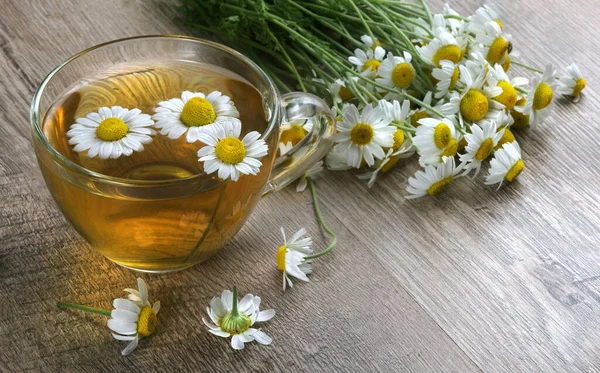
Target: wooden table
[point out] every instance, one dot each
(472, 280)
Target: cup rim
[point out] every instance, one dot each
(34, 115)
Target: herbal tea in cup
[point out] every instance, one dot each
(157, 149)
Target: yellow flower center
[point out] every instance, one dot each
(146, 321)
(484, 149)
(281, 257)
(362, 134)
(454, 78)
(197, 112)
(579, 86)
(507, 137)
(497, 50)
(450, 52)
(294, 134)
(111, 129)
(402, 75)
(376, 44)
(451, 149)
(442, 135)
(521, 120)
(439, 186)
(499, 23)
(506, 64)
(474, 105)
(235, 323)
(346, 94)
(542, 96)
(398, 139)
(462, 144)
(230, 150)
(417, 116)
(514, 171)
(508, 98)
(390, 164)
(372, 64)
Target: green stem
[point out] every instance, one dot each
(362, 20)
(427, 11)
(234, 306)
(321, 221)
(83, 308)
(526, 66)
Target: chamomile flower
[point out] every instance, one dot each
(443, 46)
(363, 135)
(474, 101)
(368, 62)
(312, 172)
(291, 257)
(436, 139)
(396, 72)
(226, 153)
(509, 95)
(294, 131)
(392, 157)
(506, 164)
(447, 77)
(111, 132)
(340, 92)
(230, 317)
(369, 42)
(193, 113)
(336, 160)
(489, 12)
(480, 143)
(422, 112)
(133, 318)
(433, 180)
(398, 113)
(573, 84)
(539, 98)
(493, 43)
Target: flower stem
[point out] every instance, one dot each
(321, 221)
(234, 306)
(527, 66)
(83, 308)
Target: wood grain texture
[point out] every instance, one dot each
(472, 280)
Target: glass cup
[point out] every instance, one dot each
(168, 225)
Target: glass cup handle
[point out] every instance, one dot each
(315, 116)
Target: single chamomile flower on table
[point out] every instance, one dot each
(492, 43)
(507, 164)
(111, 132)
(226, 153)
(340, 92)
(396, 72)
(433, 180)
(573, 84)
(443, 46)
(292, 257)
(435, 139)
(480, 143)
(363, 135)
(538, 101)
(474, 101)
(230, 317)
(368, 62)
(193, 114)
(133, 318)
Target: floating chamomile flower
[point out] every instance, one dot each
(573, 84)
(291, 257)
(294, 131)
(133, 318)
(363, 135)
(396, 72)
(193, 113)
(340, 92)
(313, 172)
(433, 180)
(436, 139)
(111, 132)
(506, 164)
(539, 98)
(509, 95)
(447, 76)
(369, 42)
(493, 43)
(367, 62)
(233, 318)
(474, 101)
(226, 153)
(480, 143)
(442, 47)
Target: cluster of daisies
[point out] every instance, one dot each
(451, 101)
(211, 119)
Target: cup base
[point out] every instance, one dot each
(155, 271)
